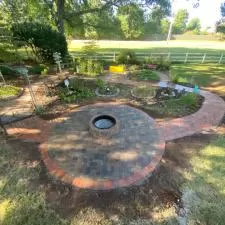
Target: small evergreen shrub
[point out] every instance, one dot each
(127, 56)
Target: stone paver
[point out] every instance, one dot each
(128, 156)
(90, 167)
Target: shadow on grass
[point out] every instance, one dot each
(151, 201)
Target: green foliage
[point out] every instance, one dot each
(131, 18)
(176, 107)
(147, 75)
(8, 91)
(205, 75)
(165, 24)
(194, 25)
(8, 55)
(39, 110)
(190, 100)
(180, 21)
(41, 38)
(38, 69)
(203, 192)
(161, 63)
(90, 67)
(144, 92)
(22, 206)
(77, 91)
(100, 83)
(127, 56)
(90, 48)
(8, 71)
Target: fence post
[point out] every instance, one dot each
(204, 56)
(186, 58)
(168, 57)
(221, 58)
(114, 57)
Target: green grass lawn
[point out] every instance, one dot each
(204, 193)
(210, 76)
(9, 91)
(156, 46)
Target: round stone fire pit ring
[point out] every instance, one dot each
(104, 125)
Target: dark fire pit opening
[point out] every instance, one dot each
(104, 122)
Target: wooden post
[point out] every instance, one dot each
(186, 58)
(1, 75)
(203, 60)
(221, 58)
(168, 57)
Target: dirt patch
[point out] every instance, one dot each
(161, 189)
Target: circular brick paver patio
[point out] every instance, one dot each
(129, 155)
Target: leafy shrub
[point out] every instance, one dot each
(8, 71)
(161, 63)
(145, 75)
(41, 38)
(90, 48)
(190, 100)
(100, 83)
(127, 56)
(77, 90)
(90, 67)
(37, 69)
(134, 68)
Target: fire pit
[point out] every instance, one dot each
(103, 125)
(104, 122)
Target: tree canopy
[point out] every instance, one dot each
(180, 21)
(82, 18)
(194, 25)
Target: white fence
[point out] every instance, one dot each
(173, 57)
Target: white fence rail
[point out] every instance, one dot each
(173, 57)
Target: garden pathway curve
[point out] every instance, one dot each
(209, 116)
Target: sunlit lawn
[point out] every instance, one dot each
(204, 194)
(156, 46)
(210, 76)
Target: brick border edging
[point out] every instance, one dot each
(100, 184)
(208, 116)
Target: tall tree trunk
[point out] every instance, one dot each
(60, 15)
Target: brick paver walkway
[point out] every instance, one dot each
(87, 174)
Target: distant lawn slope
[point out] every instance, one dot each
(209, 76)
(156, 46)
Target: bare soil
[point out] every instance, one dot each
(161, 189)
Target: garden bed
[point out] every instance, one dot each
(140, 97)
(144, 75)
(8, 92)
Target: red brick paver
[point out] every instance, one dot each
(207, 117)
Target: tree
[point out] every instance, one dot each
(165, 24)
(131, 19)
(83, 16)
(180, 21)
(222, 9)
(194, 25)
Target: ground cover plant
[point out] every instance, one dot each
(9, 91)
(144, 75)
